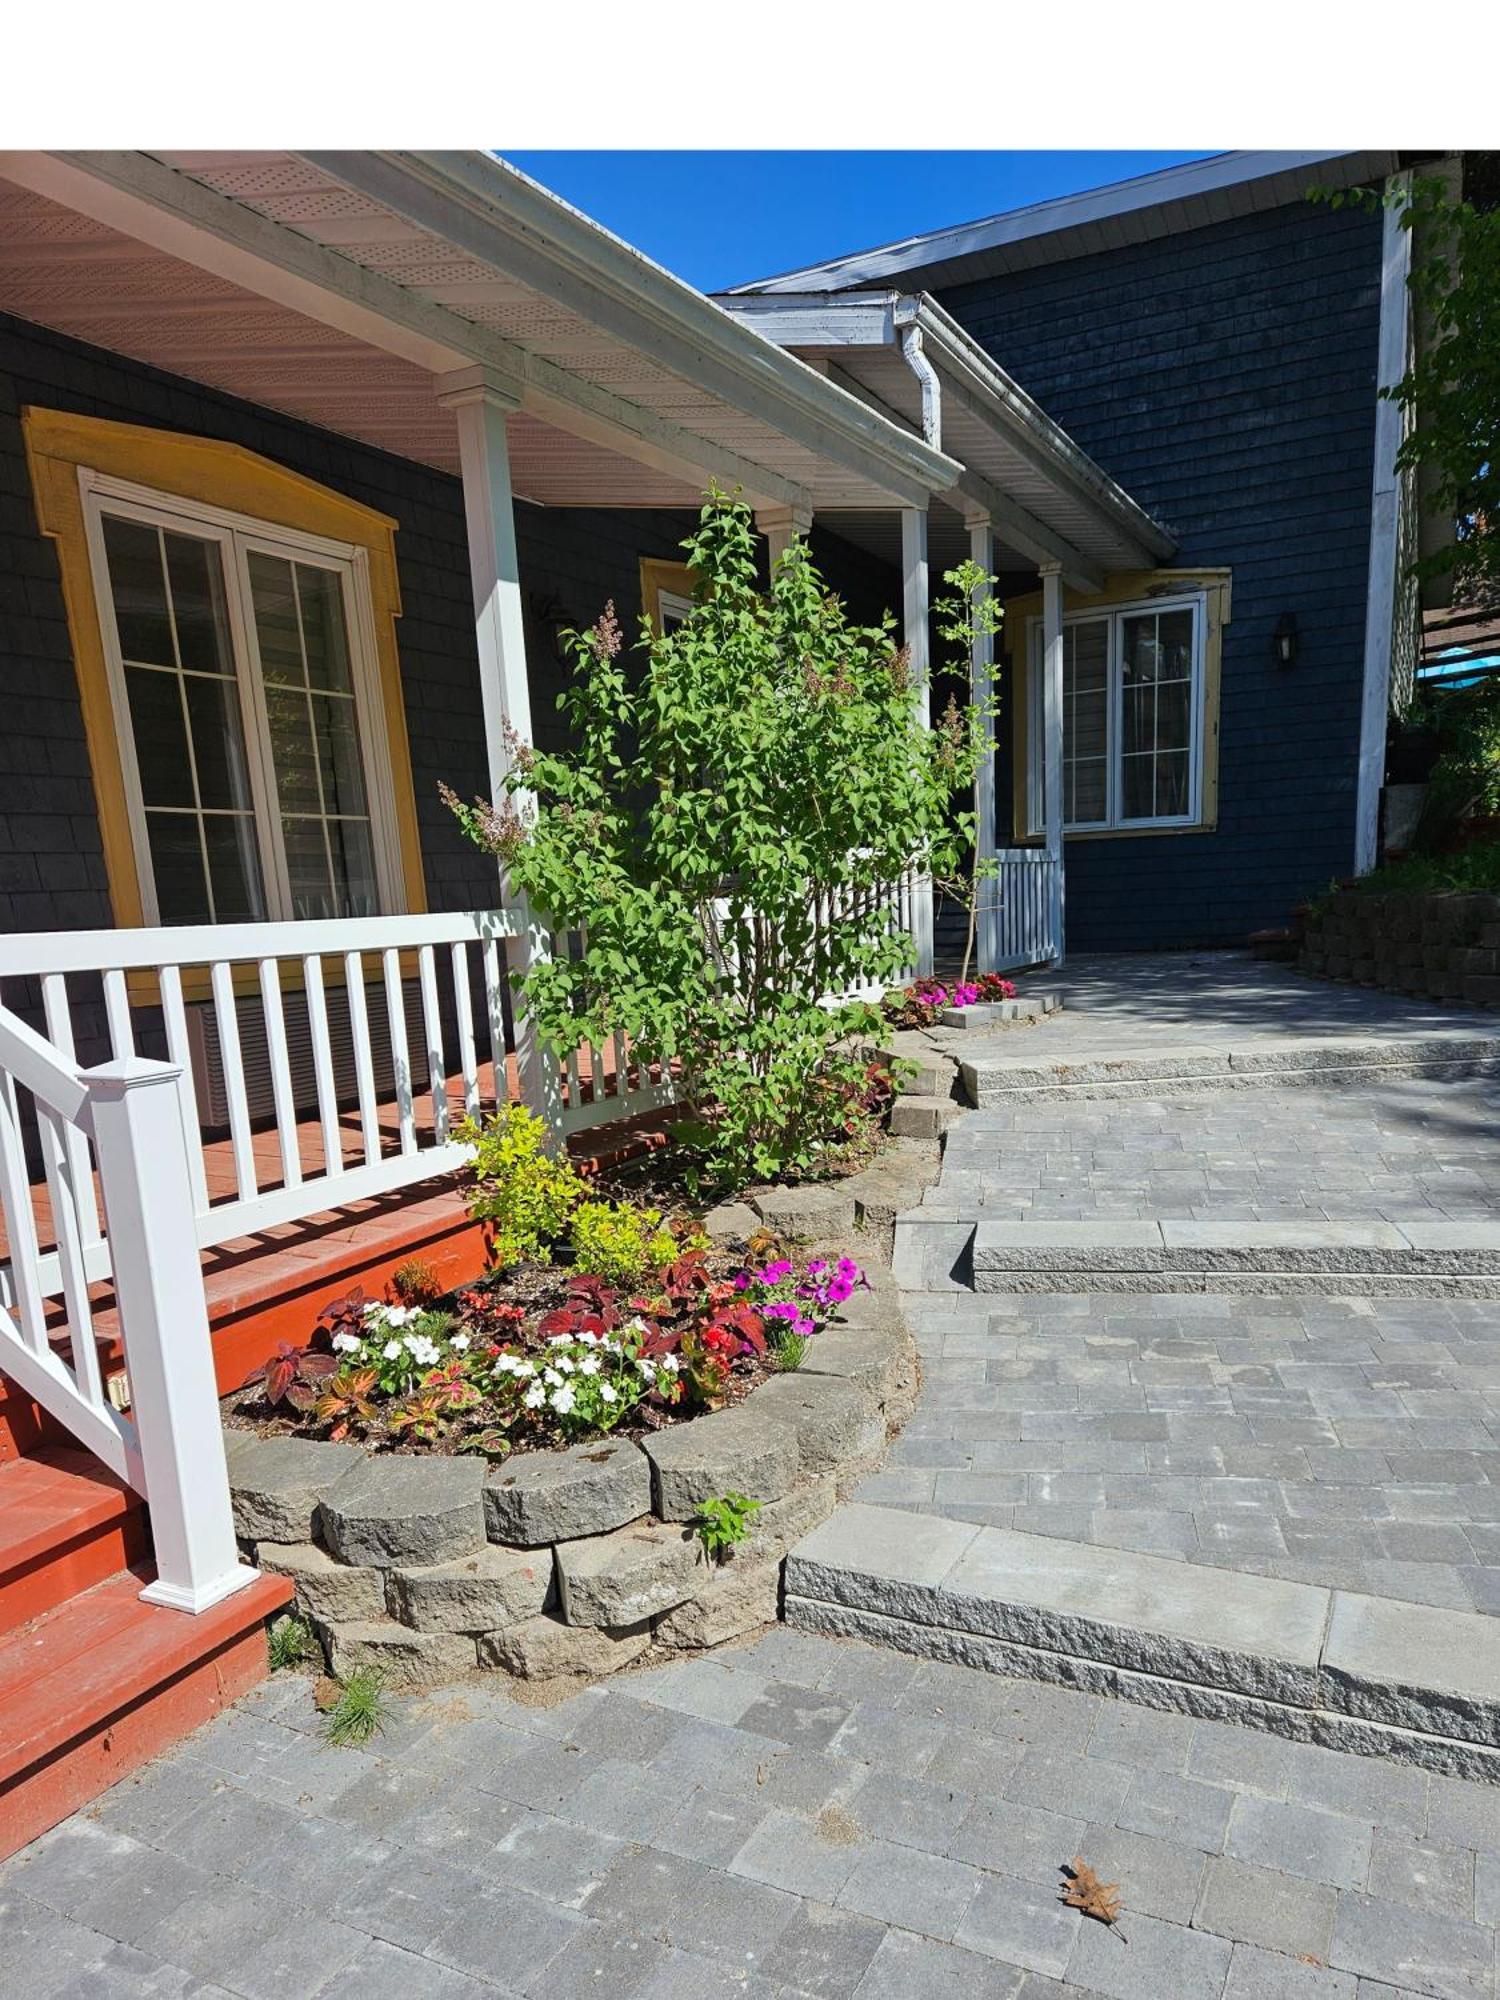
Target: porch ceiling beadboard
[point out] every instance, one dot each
(337, 288)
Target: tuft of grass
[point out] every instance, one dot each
(290, 1641)
(360, 1711)
(791, 1351)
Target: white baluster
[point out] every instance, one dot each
(432, 1028)
(20, 1222)
(495, 1005)
(395, 1012)
(117, 1012)
(59, 1015)
(463, 1008)
(52, 1132)
(222, 981)
(281, 1073)
(322, 1054)
(364, 1064)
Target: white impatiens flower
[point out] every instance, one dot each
(589, 1365)
(461, 1342)
(669, 1362)
(393, 1350)
(399, 1315)
(566, 1363)
(551, 1377)
(562, 1399)
(535, 1396)
(347, 1343)
(607, 1393)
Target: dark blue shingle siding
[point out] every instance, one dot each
(1226, 378)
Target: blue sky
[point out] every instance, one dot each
(719, 219)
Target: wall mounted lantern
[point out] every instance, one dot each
(1285, 639)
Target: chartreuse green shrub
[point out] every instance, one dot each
(618, 1243)
(767, 762)
(518, 1187)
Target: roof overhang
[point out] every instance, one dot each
(340, 287)
(1133, 211)
(1047, 499)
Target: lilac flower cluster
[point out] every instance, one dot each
(806, 1302)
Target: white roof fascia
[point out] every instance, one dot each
(1007, 408)
(1195, 186)
(501, 216)
(855, 320)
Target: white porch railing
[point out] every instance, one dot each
(1027, 909)
(902, 901)
(170, 1448)
(288, 1026)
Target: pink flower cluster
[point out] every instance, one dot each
(807, 1302)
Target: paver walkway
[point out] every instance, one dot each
(1131, 1004)
(1353, 1443)
(795, 1817)
(1367, 1152)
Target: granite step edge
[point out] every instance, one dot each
(1332, 1664)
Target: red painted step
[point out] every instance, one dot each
(66, 1523)
(103, 1682)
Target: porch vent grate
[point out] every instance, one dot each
(211, 1085)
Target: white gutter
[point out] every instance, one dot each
(926, 374)
(502, 217)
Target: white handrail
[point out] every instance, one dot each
(170, 1448)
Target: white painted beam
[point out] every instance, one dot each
(1052, 739)
(915, 631)
(480, 404)
(781, 526)
(1024, 532)
(1382, 589)
(981, 688)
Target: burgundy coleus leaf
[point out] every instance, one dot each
(301, 1396)
(318, 1367)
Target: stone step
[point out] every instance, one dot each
(1364, 1674)
(942, 1248)
(990, 1081)
(915, 1117)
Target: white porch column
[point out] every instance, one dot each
(1052, 741)
(981, 690)
(480, 402)
(148, 1199)
(781, 526)
(914, 630)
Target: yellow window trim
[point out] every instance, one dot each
(215, 474)
(1124, 588)
(674, 578)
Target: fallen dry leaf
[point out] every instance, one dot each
(1083, 1891)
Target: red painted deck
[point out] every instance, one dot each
(92, 1681)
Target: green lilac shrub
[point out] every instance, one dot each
(719, 834)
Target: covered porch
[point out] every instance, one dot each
(323, 1022)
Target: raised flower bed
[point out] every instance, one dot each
(523, 1474)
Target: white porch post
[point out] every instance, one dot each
(981, 690)
(1052, 740)
(148, 1201)
(781, 526)
(480, 402)
(914, 629)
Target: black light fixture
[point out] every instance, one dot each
(1285, 639)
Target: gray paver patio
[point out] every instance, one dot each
(1345, 1442)
(1138, 1004)
(1383, 1151)
(908, 1846)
